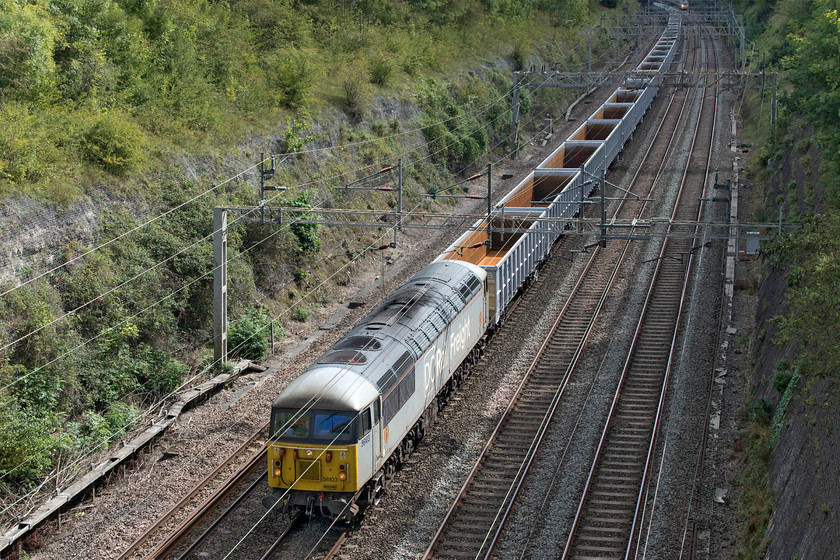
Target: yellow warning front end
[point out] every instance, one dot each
(313, 468)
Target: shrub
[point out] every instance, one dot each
(354, 96)
(120, 418)
(781, 380)
(291, 75)
(521, 52)
(301, 314)
(158, 372)
(306, 234)
(114, 142)
(412, 64)
(380, 70)
(94, 431)
(355, 93)
(248, 337)
(295, 136)
(27, 63)
(27, 148)
(24, 438)
(379, 128)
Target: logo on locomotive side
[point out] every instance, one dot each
(436, 361)
(461, 337)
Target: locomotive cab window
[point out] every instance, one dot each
(290, 425)
(366, 425)
(321, 426)
(334, 426)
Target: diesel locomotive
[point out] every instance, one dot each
(341, 429)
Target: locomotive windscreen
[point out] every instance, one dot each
(315, 425)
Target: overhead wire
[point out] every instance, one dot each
(238, 175)
(156, 404)
(432, 154)
(128, 232)
(371, 244)
(209, 190)
(300, 413)
(148, 222)
(515, 148)
(326, 386)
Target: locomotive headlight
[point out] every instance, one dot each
(309, 453)
(342, 476)
(277, 468)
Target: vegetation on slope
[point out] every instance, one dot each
(801, 39)
(809, 63)
(108, 95)
(115, 85)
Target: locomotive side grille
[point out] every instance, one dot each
(309, 470)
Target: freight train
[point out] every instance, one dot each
(339, 432)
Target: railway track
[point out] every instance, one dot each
(688, 548)
(171, 528)
(195, 527)
(540, 394)
(474, 522)
(612, 510)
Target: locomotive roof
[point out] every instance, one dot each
(327, 387)
(387, 342)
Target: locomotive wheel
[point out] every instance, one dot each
(407, 448)
(390, 469)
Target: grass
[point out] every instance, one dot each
(753, 451)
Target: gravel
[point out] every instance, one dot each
(136, 495)
(403, 525)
